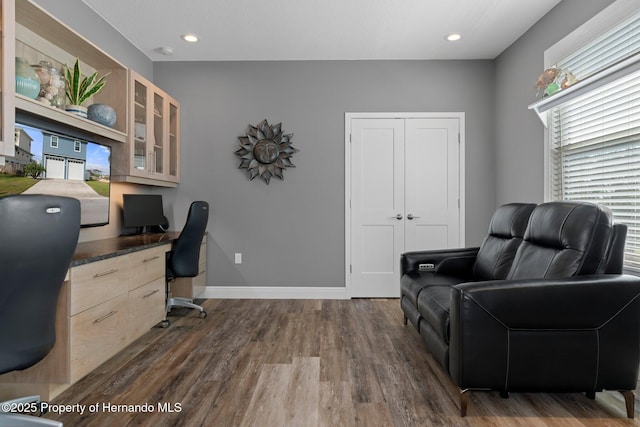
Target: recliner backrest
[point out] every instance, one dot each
(564, 239)
(498, 249)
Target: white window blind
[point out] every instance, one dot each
(620, 42)
(594, 139)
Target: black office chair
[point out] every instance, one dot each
(184, 258)
(39, 235)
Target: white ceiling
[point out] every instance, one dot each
(321, 29)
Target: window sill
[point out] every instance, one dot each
(609, 74)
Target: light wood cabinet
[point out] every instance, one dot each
(97, 334)
(147, 266)
(112, 303)
(146, 308)
(145, 139)
(151, 154)
(103, 307)
(7, 80)
(96, 282)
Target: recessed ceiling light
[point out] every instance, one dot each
(191, 38)
(453, 37)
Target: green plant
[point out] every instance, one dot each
(79, 89)
(34, 169)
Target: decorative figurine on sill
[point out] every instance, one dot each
(552, 80)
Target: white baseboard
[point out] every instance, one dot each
(272, 292)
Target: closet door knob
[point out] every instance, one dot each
(410, 216)
(398, 217)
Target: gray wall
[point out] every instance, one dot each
(291, 232)
(519, 132)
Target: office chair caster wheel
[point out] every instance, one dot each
(203, 314)
(165, 323)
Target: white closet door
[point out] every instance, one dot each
(377, 205)
(431, 184)
(405, 189)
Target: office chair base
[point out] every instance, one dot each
(181, 302)
(20, 420)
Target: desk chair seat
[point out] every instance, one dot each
(184, 258)
(39, 236)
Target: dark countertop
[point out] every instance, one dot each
(97, 250)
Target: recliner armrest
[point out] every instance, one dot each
(584, 331)
(447, 261)
(574, 302)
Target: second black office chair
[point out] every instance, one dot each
(39, 236)
(184, 258)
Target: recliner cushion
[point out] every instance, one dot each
(563, 239)
(433, 306)
(414, 282)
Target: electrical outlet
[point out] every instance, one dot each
(238, 258)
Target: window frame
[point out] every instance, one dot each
(616, 13)
(603, 21)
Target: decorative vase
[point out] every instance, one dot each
(102, 113)
(78, 110)
(51, 84)
(27, 81)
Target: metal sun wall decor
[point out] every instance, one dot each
(265, 151)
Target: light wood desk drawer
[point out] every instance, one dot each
(147, 266)
(97, 334)
(94, 283)
(146, 308)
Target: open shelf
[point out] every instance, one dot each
(40, 36)
(37, 108)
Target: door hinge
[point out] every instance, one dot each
(458, 137)
(350, 269)
(349, 138)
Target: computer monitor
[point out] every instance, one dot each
(142, 211)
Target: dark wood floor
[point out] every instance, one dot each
(302, 363)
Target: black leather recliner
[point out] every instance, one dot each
(540, 306)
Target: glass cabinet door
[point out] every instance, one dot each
(173, 141)
(158, 134)
(140, 153)
(155, 141)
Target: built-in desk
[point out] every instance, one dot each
(97, 250)
(114, 293)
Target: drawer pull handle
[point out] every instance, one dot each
(151, 259)
(151, 293)
(106, 316)
(106, 273)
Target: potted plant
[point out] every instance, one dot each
(79, 89)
